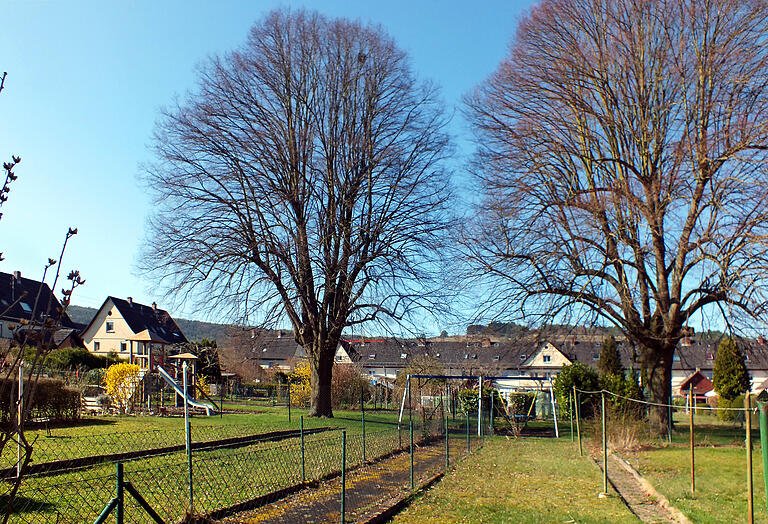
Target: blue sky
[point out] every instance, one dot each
(85, 83)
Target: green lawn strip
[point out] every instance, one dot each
(721, 481)
(521, 481)
(106, 435)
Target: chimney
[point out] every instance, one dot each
(154, 306)
(130, 301)
(17, 275)
(280, 334)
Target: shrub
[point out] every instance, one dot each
(585, 379)
(626, 388)
(50, 400)
(727, 415)
(121, 382)
(301, 388)
(346, 385)
(521, 404)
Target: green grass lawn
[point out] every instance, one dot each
(521, 481)
(222, 476)
(114, 434)
(721, 481)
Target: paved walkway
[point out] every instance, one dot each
(370, 490)
(641, 498)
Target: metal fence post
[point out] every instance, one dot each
(605, 446)
(445, 416)
(411, 429)
(20, 416)
(188, 438)
(303, 466)
(669, 424)
(362, 414)
(343, 473)
(763, 406)
(570, 412)
(693, 462)
(480, 408)
(289, 402)
(467, 416)
(750, 503)
(578, 423)
(490, 417)
(119, 494)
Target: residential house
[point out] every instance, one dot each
(23, 300)
(143, 335)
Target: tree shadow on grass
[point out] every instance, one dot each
(27, 504)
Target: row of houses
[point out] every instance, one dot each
(147, 336)
(140, 334)
(518, 364)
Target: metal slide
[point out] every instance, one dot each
(192, 402)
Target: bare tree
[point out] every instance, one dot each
(303, 181)
(622, 148)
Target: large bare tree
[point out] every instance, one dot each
(303, 180)
(622, 148)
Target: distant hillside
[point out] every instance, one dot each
(81, 314)
(192, 329)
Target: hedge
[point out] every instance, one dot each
(50, 400)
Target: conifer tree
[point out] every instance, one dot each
(730, 376)
(610, 359)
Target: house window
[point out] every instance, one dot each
(595, 356)
(25, 307)
(495, 357)
(96, 346)
(676, 358)
(403, 355)
(710, 356)
(372, 356)
(547, 359)
(523, 356)
(110, 327)
(123, 346)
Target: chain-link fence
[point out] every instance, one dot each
(230, 471)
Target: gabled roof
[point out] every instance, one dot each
(149, 323)
(700, 384)
(271, 345)
(17, 300)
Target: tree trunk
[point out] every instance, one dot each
(658, 371)
(321, 366)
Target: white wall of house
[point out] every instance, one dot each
(101, 340)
